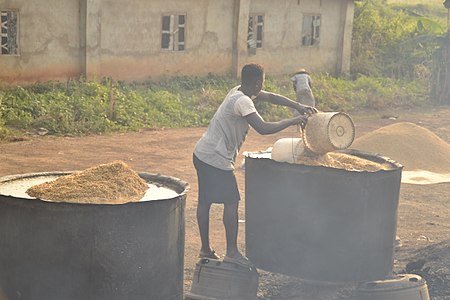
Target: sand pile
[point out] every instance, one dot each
(425, 156)
(344, 161)
(112, 183)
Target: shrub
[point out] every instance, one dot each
(392, 40)
(83, 107)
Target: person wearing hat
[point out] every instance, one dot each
(302, 84)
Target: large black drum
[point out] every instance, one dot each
(320, 223)
(71, 251)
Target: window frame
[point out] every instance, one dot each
(314, 30)
(171, 35)
(5, 35)
(257, 29)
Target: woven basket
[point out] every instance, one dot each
(328, 131)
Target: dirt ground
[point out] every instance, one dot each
(423, 217)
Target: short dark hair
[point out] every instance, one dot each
(251, 73)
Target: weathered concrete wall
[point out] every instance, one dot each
(132, 50)
(344, 56)
(282, 50)
(130, 39)
(99, 38)
(48, 41)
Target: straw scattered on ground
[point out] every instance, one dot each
(113, 183)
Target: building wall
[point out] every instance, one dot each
(122, 40)
(48, 41)
(282, 50)
(130, 39)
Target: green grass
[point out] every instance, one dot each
(79, 107)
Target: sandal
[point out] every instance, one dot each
(240, 261)
(211, 255)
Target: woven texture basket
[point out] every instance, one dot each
(328, 131)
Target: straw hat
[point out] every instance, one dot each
(301, 70)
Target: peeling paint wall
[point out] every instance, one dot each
(48, 41)
(131, 39)
(283, 51)
(122, 40)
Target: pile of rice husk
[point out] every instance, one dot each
(344, 161)
(413, 146)
(113, 183)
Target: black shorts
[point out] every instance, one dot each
(215, 185)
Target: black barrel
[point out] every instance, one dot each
(320, 223)
(56, 251)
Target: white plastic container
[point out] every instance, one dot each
(288, 149)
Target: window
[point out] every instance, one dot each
(173, 32)
(255, 32)
(8, 33)
(311, 30)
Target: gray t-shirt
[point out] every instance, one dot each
(226, 132)
(302, 81)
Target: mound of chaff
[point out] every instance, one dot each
(113, 183)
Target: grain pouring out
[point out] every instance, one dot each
(324, 135)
